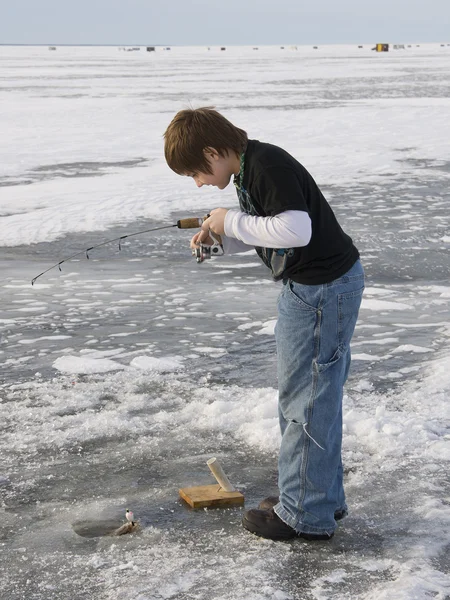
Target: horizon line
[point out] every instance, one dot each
(212, 45)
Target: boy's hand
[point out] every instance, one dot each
(196, 241)
(216, 222)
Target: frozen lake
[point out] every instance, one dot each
(123, 374)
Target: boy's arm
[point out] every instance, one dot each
(288, 229)
(233, 245)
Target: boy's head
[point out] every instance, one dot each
(201, 142)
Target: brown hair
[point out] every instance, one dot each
(193, 130)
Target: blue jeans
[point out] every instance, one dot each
(313, 332)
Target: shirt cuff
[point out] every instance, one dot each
(228, 223)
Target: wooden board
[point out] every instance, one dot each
(210, 495)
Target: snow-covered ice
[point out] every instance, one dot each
(122, 374)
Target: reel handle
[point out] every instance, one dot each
(193, 223)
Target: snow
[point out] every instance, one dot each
(411, 348)
(365, 356)
(384, 305)
(123, 374)
(161, 365)
(268, 328)
(360, 137)
(75, 364)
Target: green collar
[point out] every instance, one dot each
(239, 178)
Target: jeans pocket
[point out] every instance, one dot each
(335, 337)
(321, 367)
(348, 309)
(299, 293)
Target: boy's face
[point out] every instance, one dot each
(222, 167)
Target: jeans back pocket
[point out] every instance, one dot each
(348, 309)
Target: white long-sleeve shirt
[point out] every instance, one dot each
(289, 229)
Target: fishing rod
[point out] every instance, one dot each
(190, 223)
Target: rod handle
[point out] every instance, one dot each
(219, 474)
(193, 223)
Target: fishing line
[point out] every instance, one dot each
(190, 223)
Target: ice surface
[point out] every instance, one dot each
(123, 374)
(75, 364)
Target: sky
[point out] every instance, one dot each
(234, 22)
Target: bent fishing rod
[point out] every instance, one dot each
(190, 223)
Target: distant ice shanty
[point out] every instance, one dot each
(381, 47)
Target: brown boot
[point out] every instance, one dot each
(267, 524)
(270, 502)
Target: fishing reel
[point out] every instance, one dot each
(204, 252)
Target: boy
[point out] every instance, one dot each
(283, 214)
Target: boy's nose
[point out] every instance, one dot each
(198, 182)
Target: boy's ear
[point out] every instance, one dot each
(211, 153)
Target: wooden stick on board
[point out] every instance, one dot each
(219, 474)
